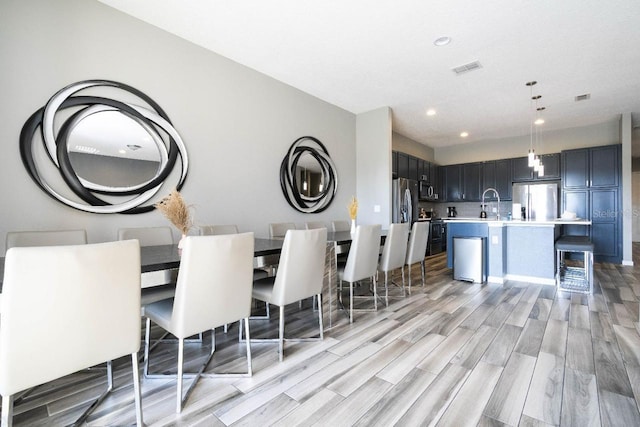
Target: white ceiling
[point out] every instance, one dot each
(362, 54)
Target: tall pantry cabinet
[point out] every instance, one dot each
(591, 189)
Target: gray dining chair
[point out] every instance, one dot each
(300, 275)
(45, 238)
(78, 308)
(417, 249)
(394, 254)
(213, 288)
(361, 263)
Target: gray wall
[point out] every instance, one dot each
(373, 148)
(237, 124)
(406, 145)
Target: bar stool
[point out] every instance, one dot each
(574, 278)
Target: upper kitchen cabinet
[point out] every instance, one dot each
(497, 174)
(523, 172)
(471, 182)
(451, 183)
(413, 168)
(403, 165)
(462, 182)
(591, 167)
(394, 164)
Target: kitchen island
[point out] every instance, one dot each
(514, 249)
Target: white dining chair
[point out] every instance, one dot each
(147, 236)
(300, 275)
(394, 254)
(312, 225)
(67, 308)
(417, 249)
(362, 263)
(340, 226)
(213, 288)
(45, 238)
(163, 281)
(277, 230)
(218, 229)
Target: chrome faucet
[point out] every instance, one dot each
(497, 195)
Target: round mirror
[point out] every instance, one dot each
(310, 180)
(109, 149)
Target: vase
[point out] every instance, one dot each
(353, 228)
(181, 242)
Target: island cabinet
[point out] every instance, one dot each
(497, 174)
(590, 188)
(523, 172)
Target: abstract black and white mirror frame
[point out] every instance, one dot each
(308, 176)
(113, 153)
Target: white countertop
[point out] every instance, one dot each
(518, 222)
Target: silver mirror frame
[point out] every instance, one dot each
(152, 119)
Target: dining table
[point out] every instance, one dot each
(159, 265)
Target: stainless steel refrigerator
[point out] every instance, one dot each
(404, 200)
(540, 201)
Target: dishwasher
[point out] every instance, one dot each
(469, 259)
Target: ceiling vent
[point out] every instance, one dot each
(583, 97)
(467, 67)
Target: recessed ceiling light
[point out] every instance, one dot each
(539, 121)
(464, 134)
(122, 151)
(442, 41)
(431, 112)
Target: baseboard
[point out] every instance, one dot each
(629, 263)
(531, 279)
(495, 279)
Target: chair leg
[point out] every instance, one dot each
(179, 379)
(7, 411)
(281, 344)
(386, 289)
(422, 271)
(320, 319)
(249, 364)
(409, 269)
(147, 335)
(351, 302)
(136, 389)
(404, 294)
(375, 293)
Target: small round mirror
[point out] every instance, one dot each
(309, 176)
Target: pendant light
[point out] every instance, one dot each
(539, 122)
(531, 156)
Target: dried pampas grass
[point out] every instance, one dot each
(176, 210)
(353, 207)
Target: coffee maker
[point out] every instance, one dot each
(451, 212)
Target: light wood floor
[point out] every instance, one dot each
(451, 354)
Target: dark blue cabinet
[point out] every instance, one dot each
(497, 174)
(590, 188)
(523, 172)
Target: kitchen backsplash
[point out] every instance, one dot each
(466, 209)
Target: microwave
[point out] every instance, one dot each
(427, 191)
